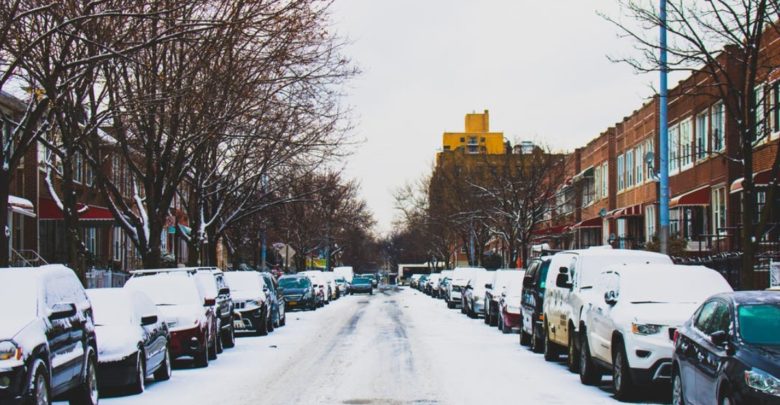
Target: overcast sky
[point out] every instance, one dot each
(540, 67)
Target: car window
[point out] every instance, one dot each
(543, 269)
(760, 324)
(704, 316)
(573, 270)
(713, 317)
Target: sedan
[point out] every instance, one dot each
(132, 339)
(361, 285)
(729, 351)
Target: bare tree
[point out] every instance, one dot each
(726, 42)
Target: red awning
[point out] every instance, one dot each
(594, 222)
(760, 179)
(47, 209)
(631, 211)
(699, 196)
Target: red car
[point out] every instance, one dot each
(184, 308)
(510, 307)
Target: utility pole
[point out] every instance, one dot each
(663, 143)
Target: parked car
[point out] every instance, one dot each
(494, 289)
(185, 309)
(420, 283)
(47, 337)
(432, 287)
(361, 285)
(627, 330)
(459, 279)
(298, 292)
(330, 280)
(510, 304)
(444, 281)
(474, 295)
(534, 281)
(132, 339)
(276, 300)
(320, 283)
(728, 352)
(212, 281)
(252, 310)
(570, 284)
(342, 284)
(414, 280)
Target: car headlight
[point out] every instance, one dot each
(10, 351)
(762, 381)
(645, 329)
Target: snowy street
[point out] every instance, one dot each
(394, 347)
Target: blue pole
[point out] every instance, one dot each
(263, 252)
(664, 140)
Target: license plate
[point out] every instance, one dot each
(291, 303)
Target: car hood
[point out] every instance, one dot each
(294, 291)
(766, 358)
(115, 342)
(12, 326)
(668, 314)
(182, 316)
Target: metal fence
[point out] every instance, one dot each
(97, 278)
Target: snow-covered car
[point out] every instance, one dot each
(569, 286)
(534, 283)
(459, 279)
(432, 285)
(320, 283)
(184, 309)
(494, 289)
(444, 281)
(298, 292)
(629, 329)
(212, 282)
(47, 337)
(414, 280)
(132, 339)
(252, 312)
(342, 284)
(510, 304)
(276, 300)
(474, 293)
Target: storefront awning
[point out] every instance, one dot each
(760, 179)
(699, 196)
(630, 211)
(49, 210)
(21, 206)
(594, 222)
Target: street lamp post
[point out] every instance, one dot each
(664, 138)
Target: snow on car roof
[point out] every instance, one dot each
(649, 282)
(615, 252)
(111, 305)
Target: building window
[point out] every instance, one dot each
(686, 145)
(621, 233)
(605, 180)
(629, 168)
(639, 159)
(674, 144)
(719, 210)
(597, 178)
(759, 114)
(774, 109)
(620, 173)
(90, 240)
(649, 165)
(717, 120)
(117, 243)
(649, 222)
(760, 204)
(702, 136)
(78, 168)
(674, 222)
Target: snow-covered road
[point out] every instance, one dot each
(395, 347)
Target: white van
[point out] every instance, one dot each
(570, 281)
(344, 271)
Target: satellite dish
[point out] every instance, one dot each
(649, 157)
(603, 212)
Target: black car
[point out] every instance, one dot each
(212, 280)
(532, 301)
(275, 297)
(47, 337)
(298, 292)
(361, 285)
(729, 351)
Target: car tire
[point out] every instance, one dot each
(572, 355)
(201, 358)
(450, 305)
(218, 339)
(500, 324)
(284, 319)
(39, 391)
(229, 337)
(726, 397)
(87, 391)
(163, 373)
(550, 351)
(139, 385)
(678, 395)
(621, 374)
(537, 343)
(487, 315)
(270, 326)
(525, 338)
(212, 348)
(262, 327)
(589, 372)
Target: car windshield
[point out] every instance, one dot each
(167, 289)
(110, 307)
(294, 282)
(760, 324)
(644, 288)
(18, 293)
(543, 274)
(360, 280)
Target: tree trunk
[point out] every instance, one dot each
(5, 232)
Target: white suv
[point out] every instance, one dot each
(570, 281)
(629, 328)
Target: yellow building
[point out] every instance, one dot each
(477, 138)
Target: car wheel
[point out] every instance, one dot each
(621, 374)
(572, 360)
(450, 305)
(202, 357)
(39, 388)
(487, 315)
(229, 337)
(677, 388)
(726, 397)
(504, 329)
(87, 392)
(284, 319)
(262, 326)
(500, 324)
(164, 372)
(589, 373)
(270, 321)
(525, 338)
(139, 385)
(537, 344)
(550, 351)
(212, 348)
(218, 339)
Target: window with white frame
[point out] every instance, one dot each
(620, 173)
(649, 166)
(674, 144)
(686, 145)
(629, 168)
(774, 109)
(702, 136)
(719, 210)
(621, 233)
(78, 168)
(717, 121)
(90, 239)
(597, 178)
(117, 243)
(759, 114)
(639, 167)
(605, 180)
(674, 222)
(649, 222)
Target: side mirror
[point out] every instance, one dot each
(562, 281)
(224, 291)
(148, 320)
(209, 302)
(62, 311)
(610, 297)
(489, 286)
(719, 338)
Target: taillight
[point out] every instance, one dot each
(675, 336)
